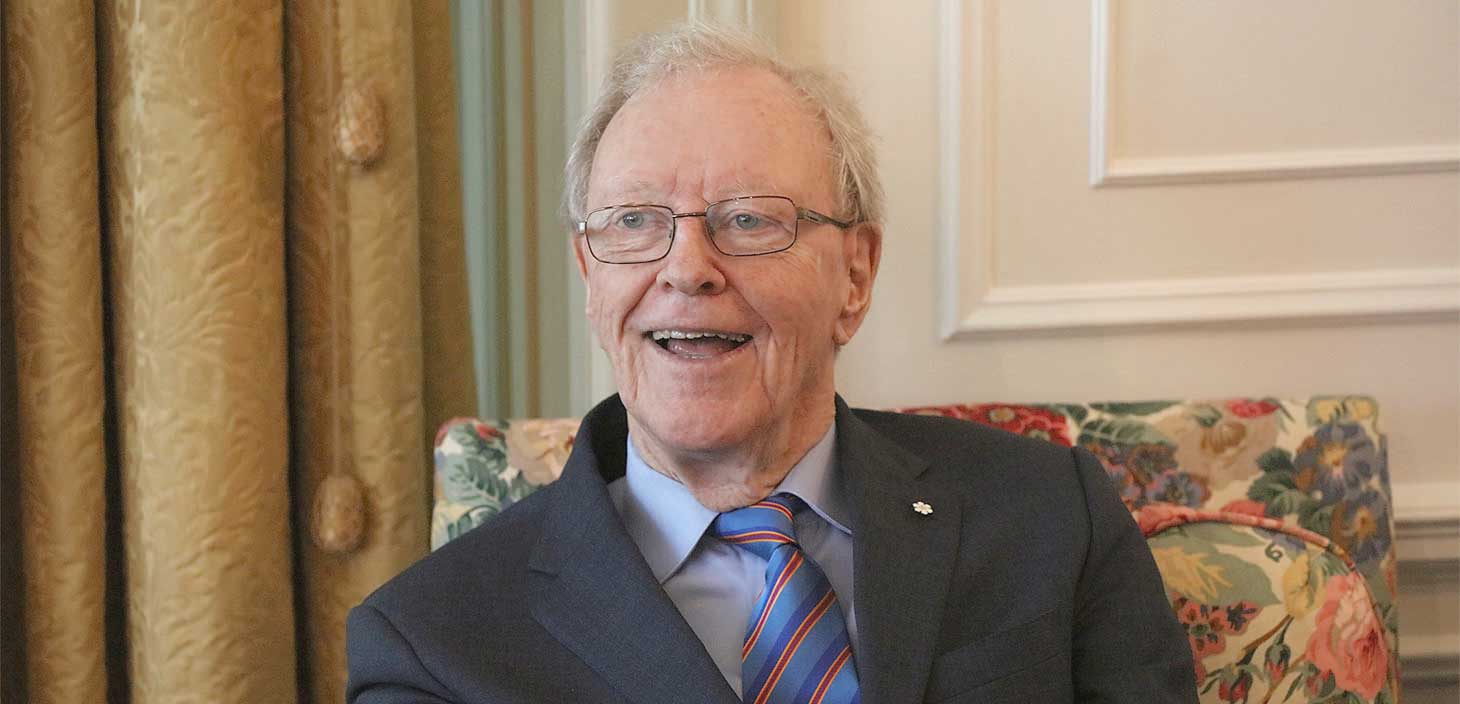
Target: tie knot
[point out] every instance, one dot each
(760, 527)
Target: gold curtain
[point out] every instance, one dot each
(234, 309)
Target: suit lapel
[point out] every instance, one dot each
(902, 559)
(594, 592)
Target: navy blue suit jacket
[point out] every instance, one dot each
(1028, 583)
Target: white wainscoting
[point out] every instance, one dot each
(974, 304)
(1427, 523)
(1107, 169)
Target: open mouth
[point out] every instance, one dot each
(698, 344)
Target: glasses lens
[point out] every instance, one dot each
(627, 234)
(747, 226)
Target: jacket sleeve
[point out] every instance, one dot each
(384, 668)
(1128, 646)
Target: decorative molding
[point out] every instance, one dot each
(1268, 166)
(1218, 299)
(972, 303)
(1107, 169)
(1427, 523)
(1427, 527)
(965, 109)
(1429, 661)
(1428, 502)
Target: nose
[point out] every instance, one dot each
(692, 266)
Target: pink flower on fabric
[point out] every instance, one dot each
(1349, 639)
(1251, 408)
(484, 431)
(1023, 420)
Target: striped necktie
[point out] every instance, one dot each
(796, 647)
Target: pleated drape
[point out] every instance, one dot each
(193, 144)
(377, 296)
(235, 289)
(52, 224)
(449, 385)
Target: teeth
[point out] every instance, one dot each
(695, 335)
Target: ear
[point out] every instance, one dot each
(581, 256)
(864, 254)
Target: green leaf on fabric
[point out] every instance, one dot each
(1287, 503)
(1373, 573)
(1276, 460)
(1224, 534)
(1203, 575)
(1297, 682)
(1277, 490)
(472, 480)
(1136, 408)
(1206, 415)
(1249, 581)
(467, 522)
(1319, 519)
(1121, 431)
(1271, 484)
(519, 488)
(1075, 411)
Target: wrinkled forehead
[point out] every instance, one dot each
(707, 135)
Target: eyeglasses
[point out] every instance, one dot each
(747, 226)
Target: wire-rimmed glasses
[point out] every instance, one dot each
(746, 226)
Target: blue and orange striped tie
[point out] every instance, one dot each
(796, 646)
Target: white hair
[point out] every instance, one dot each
(699, 47)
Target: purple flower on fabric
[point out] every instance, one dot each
(1336, 460)
(1113, 460)
(1148, 460)
(1178, 488)
(1361, 526)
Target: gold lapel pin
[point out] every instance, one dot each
(922, 507)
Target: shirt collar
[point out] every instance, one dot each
(666, 521)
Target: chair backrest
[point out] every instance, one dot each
(1296, 489)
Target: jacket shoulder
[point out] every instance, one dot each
(493, 556)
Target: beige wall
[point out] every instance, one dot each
(1123, 200)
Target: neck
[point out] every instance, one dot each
(727, 478)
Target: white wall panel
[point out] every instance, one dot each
(1221, 78)
(1022, 89)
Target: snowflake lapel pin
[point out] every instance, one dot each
(922, 508)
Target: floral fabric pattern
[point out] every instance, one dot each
(482, 468)
(1269, 619)
(1270, 521)
(1031, 421)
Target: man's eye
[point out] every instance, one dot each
(631, 221)
(746, 221)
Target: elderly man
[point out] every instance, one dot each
(727, 529)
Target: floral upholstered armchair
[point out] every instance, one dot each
(1270, 521)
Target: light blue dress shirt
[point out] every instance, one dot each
(714, 584)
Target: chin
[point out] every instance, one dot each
(700, 425)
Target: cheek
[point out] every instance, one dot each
(800, 302)
(610, 299)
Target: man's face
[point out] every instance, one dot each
(694, 139)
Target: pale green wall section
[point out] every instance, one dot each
(558, 307)
(513, 144)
